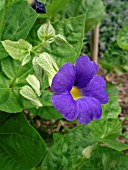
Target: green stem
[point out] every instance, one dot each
(116, 126)
(80, 164)
(3, 17)
(37, 47)
(13, 81)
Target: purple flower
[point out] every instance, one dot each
(79, 92)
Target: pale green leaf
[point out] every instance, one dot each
(34, 83)
(48, 64)
(28, 93)
(18, 50)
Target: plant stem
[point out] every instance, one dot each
(36, 47)
(94, 44)
(3, 17)
(13, 81)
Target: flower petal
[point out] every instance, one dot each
(85, 71)
(88, 109)
(65, 105)
(64, 79)
(96, 89)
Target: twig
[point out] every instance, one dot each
(94, 44)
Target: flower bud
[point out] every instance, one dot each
(46, 32)
(48, 64)
(87, 152)
(39, 7)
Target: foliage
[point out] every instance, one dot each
(32, 49)
(115, 58)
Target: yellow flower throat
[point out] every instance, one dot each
(76, 93)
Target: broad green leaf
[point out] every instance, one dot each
(4, 81)
(70, 47)
(104, 128)
(21, 147)
(47, 113)
(108, 132)
(46, 97)
(112, 109)
(18, 50)
(13, 69)
(94, 10)
(18, 23)
(108, 128)
(74, 34)
(122, 37)
(1, 4)
(4, 95)
(54, 7)
(10, 99)
(114, 144)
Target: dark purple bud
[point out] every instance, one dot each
(39, 7)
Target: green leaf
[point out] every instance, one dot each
(114, 144)
(115, 58)
(18, 50)
(104, 128)
(108, 128)
(10, 99)
(122, 37)
(1, 4)
(12, 70)
(21, 147)
(108, 132)
(47, 113)
(17, 23)
(94, 13)
(73, 34)
(106, 159)
(94, 10)
(67, 150)
(112, 109)
(54, 7)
